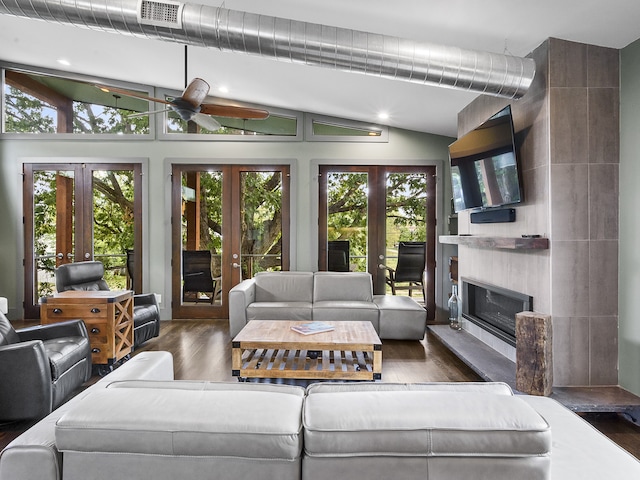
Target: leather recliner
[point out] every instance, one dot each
(41, 367)
(88, 276)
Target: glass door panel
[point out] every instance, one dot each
(113, 224)
(347, 221)
(261, 222)
(201, 238)
(53, 227)
(405, 218)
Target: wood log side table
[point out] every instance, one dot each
(108, 316)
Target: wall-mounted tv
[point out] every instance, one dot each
(484, 167)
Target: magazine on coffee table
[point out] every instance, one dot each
(312, 327)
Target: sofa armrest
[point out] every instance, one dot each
(70, 328)
(25, 381)
(240, 297)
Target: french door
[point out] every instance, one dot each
(368, 210)
(228, 223)
(75, 212)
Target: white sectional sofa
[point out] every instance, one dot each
(155, 427)
(324, 296)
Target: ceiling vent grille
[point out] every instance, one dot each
(160, 14)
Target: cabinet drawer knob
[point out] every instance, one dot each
(95, 350)
(57, 311)
(95, 330)
(95, 310)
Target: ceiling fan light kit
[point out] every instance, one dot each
(292, 41)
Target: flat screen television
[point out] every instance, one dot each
(484, 166)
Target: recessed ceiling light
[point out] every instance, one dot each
(223, 89)
(383, 116)
(64, 61)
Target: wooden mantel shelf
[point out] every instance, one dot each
(508, 243)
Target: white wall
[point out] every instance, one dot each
(404, 148)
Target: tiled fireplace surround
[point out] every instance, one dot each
(567, 127)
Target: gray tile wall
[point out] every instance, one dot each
(568, 129)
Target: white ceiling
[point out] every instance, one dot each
(511, 26)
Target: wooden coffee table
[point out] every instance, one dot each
(270, 349)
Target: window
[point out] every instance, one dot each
(36, 103)
(326, 129)
(276, 125)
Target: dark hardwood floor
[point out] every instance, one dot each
(202, 351)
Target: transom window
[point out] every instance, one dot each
(45, 104)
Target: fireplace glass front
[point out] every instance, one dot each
(494, 308)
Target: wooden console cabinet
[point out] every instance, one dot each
(108, 316)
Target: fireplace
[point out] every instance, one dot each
(493, 308)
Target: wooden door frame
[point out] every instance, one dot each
(83, 238)
(376, 221)
(231, 210)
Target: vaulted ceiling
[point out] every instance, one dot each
(501, 26)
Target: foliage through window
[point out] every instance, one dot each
(274, 125)
(347, 213)
(43, 104)
(112, 223)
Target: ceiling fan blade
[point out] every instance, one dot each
(234, 112)
(150, 112)
(205, 121)
(196, 92)
(129, 93)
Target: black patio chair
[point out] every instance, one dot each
(410, 268)
(197, 277)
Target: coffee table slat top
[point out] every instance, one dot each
(270, 349)
(358, 335)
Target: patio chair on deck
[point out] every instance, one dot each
(338, 256)
(198, 282)
(410, 268)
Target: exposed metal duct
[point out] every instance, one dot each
(291, 41)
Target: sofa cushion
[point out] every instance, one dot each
(422, 423)
(495, 388)
(175, 421)
(334, 311)
(284, 287)
(345, 286)
(279, 311)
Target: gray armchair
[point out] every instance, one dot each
(40, 367)
(89, 276)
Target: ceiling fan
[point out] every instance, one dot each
(190, 107)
